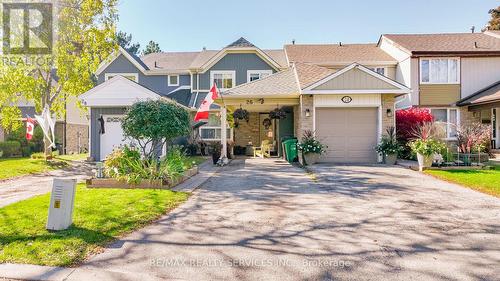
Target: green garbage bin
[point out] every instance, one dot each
(290, 150)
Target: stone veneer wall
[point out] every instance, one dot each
(468, 117)
(305, 123)
(388, 102)
(248, 132)
(73, 133)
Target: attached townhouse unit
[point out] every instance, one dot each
(346, 93)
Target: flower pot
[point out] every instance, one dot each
(424, 161)
(310, 158)
(215, 157)
(390, 159)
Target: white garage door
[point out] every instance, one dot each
(113, 134)
(349, 133)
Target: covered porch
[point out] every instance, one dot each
(254, 125)
(484, 107)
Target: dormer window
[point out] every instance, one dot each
(224, 79)
(173, 80)
(439, 71)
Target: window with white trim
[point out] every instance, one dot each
(449, 118)
(224, 79)
(440, 71)
(379, 70)
(253, 75)
(173, 80)
(132, 76)
(212, 130)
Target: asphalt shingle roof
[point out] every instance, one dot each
(486, 95)
(170, 61)
(446, 42)
(331, 54)
(282, 83)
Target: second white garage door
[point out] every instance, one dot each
(349, 133)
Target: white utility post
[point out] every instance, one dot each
(223, 134)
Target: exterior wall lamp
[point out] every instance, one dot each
(389, 112)
(308, 112)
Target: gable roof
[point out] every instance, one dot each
(335, 54)
(135, 60)
(375, 83)
(308, 74)
(487, 95)
(280, 84)
(446, 43)
(170, 61)
(241, 43)
(120, 91)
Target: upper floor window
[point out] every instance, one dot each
(132, 76)
(224, 79)
(173, 80)
(253, 75)
(379, 70)
(440, 71)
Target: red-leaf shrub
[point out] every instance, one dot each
(408, 119)
(406, 122)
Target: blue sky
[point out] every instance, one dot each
(190, 25)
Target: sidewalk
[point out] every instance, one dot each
(25, 187)
(38, 272)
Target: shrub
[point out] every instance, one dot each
(475, 136)
(427, 147)
(309, 144)
(38, 155)
(10, 148)
(28, 147)
(406, 122)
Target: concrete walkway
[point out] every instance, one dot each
(24, 187)
(262, 219)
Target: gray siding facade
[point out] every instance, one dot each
(240, 63)
(95, 137)
(157, 83)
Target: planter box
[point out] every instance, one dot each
(144, 184)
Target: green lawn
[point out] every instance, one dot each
(23, 166)
(73, 157)
(487, 181)
(100, 216)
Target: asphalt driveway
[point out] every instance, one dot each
(266, 220)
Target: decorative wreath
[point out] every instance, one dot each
(266, 123)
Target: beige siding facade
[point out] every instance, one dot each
(478, 73)
(439, 94)
(355, 79)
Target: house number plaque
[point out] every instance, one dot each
(346, 99)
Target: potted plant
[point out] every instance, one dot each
(216, 152)
(277, 113)
(389, 147)
(310, 148)
(427, 143)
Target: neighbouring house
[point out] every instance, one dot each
(71, 130)
(455, 75)
(346, 93)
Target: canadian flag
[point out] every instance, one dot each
(30, 127)
(204, 109)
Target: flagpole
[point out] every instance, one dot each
(223, 135)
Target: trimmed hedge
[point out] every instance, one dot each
(10, 148)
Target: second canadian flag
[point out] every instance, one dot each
(204, 109)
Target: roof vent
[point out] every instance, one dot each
(204, 48)
(472, 29)
(340, 44)
(475, 45)
(156, 65)
(293, 41)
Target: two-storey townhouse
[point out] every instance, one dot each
(183, 77)
(454, 75)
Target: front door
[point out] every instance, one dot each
(266, 128)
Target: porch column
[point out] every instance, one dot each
(223, 132)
